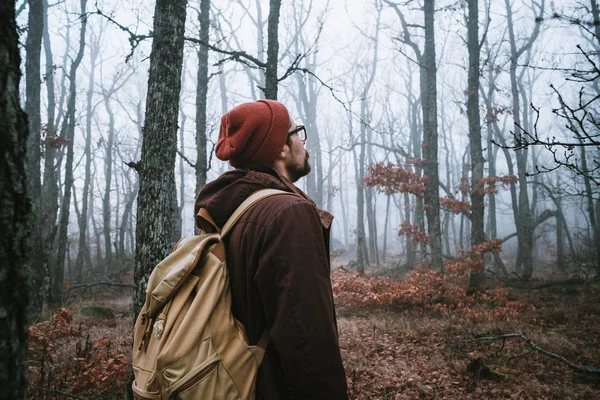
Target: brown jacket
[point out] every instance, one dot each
(278, 261)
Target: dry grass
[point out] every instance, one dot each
(396, 355)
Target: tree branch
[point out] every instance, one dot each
(235, 55)
(579, 368)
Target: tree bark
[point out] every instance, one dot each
(271, 80)
(476, 279)
(15, 214)
(201, 97)
(157, 188)
(32, 108)
(430, 137)
(35, 26)
(49, 207)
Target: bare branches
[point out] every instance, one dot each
(579, 368)
(581, 123)
(234, 55)
(536, 30)
(406, 37)
(134, 38)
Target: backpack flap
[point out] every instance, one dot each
(170, 273)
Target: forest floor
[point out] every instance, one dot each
(389, 352)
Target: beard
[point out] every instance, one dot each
(297, 171)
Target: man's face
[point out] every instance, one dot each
(297, 163)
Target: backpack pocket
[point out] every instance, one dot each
(208, 381)
(145, 386)
(142, 395)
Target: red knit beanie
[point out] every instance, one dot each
(253, 133)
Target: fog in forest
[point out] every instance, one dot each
(349, 71)
(456, 143)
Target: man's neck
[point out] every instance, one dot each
(279, 167)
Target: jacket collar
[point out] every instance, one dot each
(326, 217)
(222, 196)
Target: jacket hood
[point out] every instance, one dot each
(222, 196)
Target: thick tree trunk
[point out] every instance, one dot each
(57, 271)
(271, 82)
(201, 97)
(157, 191)
(15, 214)
(476, 278)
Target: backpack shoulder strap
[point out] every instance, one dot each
(247, 204)
(237, 214)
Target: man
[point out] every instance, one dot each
(277, 254)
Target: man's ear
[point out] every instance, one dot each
(284, 151)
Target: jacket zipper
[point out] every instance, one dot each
(204, 372)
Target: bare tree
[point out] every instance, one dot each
(477, 206)
(523, 217)
(49, 207)
(428, 85)
(83, 253)
(57, 268)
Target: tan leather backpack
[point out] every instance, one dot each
(187, 344)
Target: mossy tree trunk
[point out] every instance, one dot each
(157, 198)
(32, 108)
(14, 214)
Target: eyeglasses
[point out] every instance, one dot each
(300, 131)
